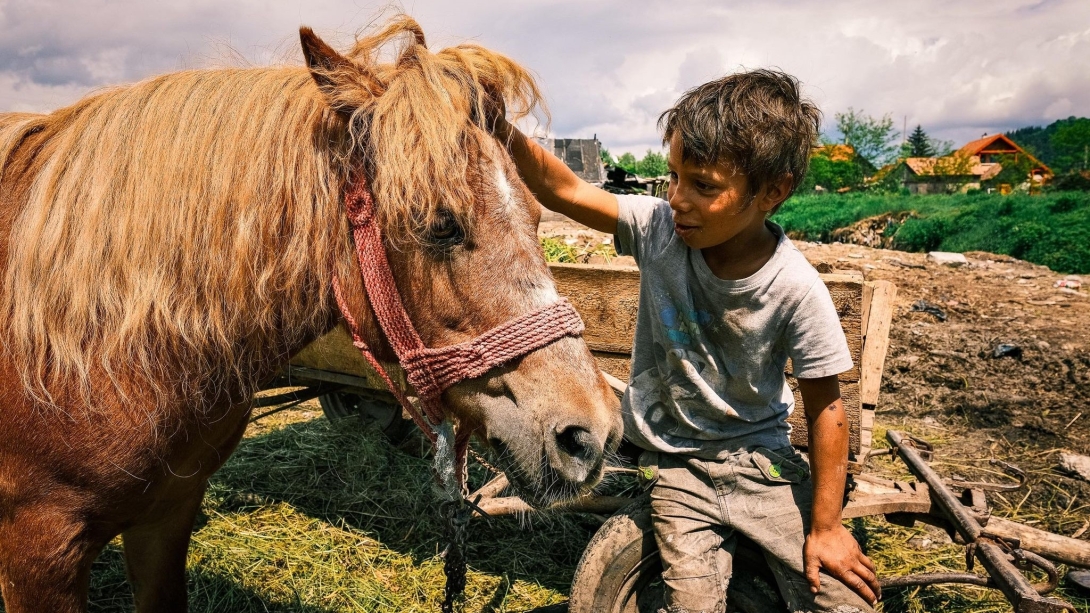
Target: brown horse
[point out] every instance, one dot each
(168, 245)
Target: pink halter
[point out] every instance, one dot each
(431, 371)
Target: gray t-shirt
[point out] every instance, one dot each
(709, 354)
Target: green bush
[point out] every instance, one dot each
(1053, 229)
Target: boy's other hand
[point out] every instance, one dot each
(837, 552)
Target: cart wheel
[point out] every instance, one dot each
(373, 408)
(620, 571)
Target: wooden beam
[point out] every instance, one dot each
(877, 341)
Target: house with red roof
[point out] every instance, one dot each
(969, 167)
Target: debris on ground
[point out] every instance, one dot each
(944, 258)
(1007, 350)
(1075, 465)
(923, 306)
(1080, 578)
(898, 262)
(874, 231)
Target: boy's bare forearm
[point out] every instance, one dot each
(828, 444)
(556, 186)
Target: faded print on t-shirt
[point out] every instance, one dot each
(709, 354)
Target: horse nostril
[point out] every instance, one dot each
(577, 442)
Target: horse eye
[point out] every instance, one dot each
(446, 231)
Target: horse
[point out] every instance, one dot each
(168, 245)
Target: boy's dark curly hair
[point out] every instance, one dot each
(756, 120)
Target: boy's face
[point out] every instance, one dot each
(712, 204)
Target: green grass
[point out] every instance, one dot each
(1053, 229)
(310, 516)
(321, 517)
(557, 250)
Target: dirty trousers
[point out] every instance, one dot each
(698, 509)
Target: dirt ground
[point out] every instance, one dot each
(942, 380)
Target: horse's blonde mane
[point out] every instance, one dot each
(185, 229)
(421, 143)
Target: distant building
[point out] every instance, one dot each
(582, 155)
(840, 152)
(967, 168)
(992, 149)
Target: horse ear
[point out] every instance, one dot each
(322, 59)
(346, 85)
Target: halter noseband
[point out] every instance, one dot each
(431, 371)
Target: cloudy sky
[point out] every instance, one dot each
(609, 67)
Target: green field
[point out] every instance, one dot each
(1052, 229)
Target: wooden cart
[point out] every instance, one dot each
(620, 567)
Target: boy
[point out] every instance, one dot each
(725, 300)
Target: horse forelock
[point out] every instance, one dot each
(428, 126)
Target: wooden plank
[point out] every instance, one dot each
(617, 364)
(874, 352)
(868, 291)
(866, 429)
(335, 352)
(607, 298)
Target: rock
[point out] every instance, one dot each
(945, 258)
(920, 543)
(1075, 465)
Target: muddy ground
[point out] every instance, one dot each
(942, 380)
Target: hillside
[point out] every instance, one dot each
(1063, 145)
(1053, 230)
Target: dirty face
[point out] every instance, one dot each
(711, 203)
(549, 416)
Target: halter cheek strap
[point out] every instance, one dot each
(431, 371)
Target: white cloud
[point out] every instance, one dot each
(610, 67)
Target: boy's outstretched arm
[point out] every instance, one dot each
(829, 545)
(555, 185)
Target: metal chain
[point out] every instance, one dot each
(483, 462)
(457, 515)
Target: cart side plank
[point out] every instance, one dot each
(607, 298)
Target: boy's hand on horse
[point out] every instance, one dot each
(836, 551)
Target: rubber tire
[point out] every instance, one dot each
(620, 571)
(373, 409)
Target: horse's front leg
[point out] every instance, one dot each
(155, 555)
(46, 553)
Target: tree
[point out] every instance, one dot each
(627, 161)
(607, 159)
(1063, 145)
(1071, 144)
(1014, 171)
(919, 145)
(652, 165)
(833, 175)
(874, 140)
